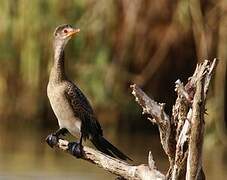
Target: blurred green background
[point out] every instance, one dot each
(151, 43)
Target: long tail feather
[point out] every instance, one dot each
(106, 147)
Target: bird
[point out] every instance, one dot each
(71, 107)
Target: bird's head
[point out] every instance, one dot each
(64, 33)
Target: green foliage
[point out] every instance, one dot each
(120, 42)
(26, 52)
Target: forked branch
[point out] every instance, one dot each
(181, 135)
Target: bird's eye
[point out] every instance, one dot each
(65, 31)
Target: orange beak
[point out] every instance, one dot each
(73, 32)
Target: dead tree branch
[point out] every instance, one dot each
(181, 135)
(194, 162)
(113, 165)
(156, 111)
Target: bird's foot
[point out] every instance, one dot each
(76, 149)
(52, 140)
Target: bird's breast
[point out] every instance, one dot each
(62, 109)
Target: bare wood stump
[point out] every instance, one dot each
(181, 134)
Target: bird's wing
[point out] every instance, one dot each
(83, 110)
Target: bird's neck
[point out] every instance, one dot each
(58, 69)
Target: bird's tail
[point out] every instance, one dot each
(106, 147)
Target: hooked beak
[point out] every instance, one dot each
(73, 32)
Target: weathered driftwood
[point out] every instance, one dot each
(181, 134)
(113, 165)
(188, 115)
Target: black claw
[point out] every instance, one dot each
(76, 149)
(52, 140)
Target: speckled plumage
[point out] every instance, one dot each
(83, 110)
(70, 105)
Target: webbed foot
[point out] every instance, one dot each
(52, 140)
(76, 149)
